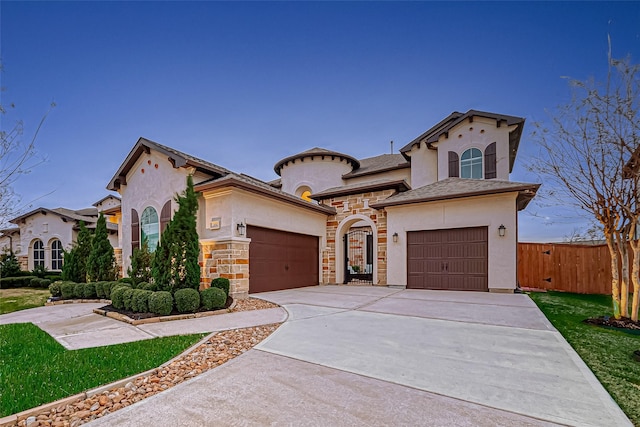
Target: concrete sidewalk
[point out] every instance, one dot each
(378, 356)
(75, 326)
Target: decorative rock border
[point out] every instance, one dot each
(210, 352)
(76, 301)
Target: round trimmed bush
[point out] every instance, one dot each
(89, 291)
(221, 283)
(117, 297)
(148, 286)
(100, 289)
(161, 303)
(212, 298)
(108, 287)
(127, 296)
(140, 300)
(67, 289)
(55, 289)
(37, 282)
(78, 290)
(187, 300)
(128, 280)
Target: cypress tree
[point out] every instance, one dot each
(9, 265)
(101, 265)
(74, 267)
(175, 263)
(141, 262)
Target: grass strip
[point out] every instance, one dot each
(22, 298)
(35, 369)
(607, 352)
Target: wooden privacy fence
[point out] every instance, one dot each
(582, 269)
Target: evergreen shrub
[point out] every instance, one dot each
(127, 296)
(187, 300)
(67, 289)
(140, 302)
(89, 291)
(212, 298)
(221, 283)
(117, 297)
(78, 290)
(161, 303)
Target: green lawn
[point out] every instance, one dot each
(35, 369)
(607, 352)
(22, 298)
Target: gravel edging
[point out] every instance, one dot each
(210, 352)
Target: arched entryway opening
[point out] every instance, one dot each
(356, 250)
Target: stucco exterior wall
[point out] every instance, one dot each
(478, 134)
(316, 173)
(490, 211)
(46, 228)
(424, 166)
(151, 182)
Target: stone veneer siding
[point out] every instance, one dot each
(228, 259)
(355, 204)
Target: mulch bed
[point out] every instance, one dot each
(624, 323)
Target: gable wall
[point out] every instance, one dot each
(424, 166)
(391, 175)
(478, 134)
(46, 228)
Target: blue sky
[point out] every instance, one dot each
(246, 84)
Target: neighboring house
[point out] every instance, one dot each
(43, 234)
(442, 214)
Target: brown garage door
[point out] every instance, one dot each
(454, 259)
(281, 260)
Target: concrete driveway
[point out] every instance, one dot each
(378, 356)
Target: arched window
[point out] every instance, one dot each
(150, 227)
(56, 255)
(471, 164)
(304, 193)
(38, 254)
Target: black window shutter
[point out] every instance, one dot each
(454, 168)
(490, 170)
(135, 230)
(165, 216)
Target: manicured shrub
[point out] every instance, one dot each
(55, 289)
(53, 277)
(161, 303)
(212, 298)
(78, 290)
(187, 300)
(127, 296)
(99, 289)
(39, 283)
(221, 283)
(128, 280)
(117, 297)
(147, 286)
(89, 291)
(140, 301)
(108, 287)
(15, 282)
(67, 289)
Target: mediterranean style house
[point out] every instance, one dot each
(40, 236)
(440, 214)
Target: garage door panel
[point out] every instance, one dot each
(453, 259)
(281, 260)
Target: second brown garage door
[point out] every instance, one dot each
(281, 260)
(453, 259)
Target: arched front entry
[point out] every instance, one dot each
(343, 228)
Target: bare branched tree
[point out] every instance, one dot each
(584, 154)
(17, 158)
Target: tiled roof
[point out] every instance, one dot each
(316, 151)
(277, 183)
(377, 164)
(362, 187)
(454, 188)
(178, 158)
(80, 215)
(253, 184)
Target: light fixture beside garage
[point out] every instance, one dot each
(241, 229)
(395, 237)
(502, 230)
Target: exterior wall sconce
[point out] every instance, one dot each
(502, 230)
(241, 229)
(395, 237)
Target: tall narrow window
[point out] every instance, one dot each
(56, 255)
(471, 164)
(38, 254)
(150, 227)
(490, 171)
(453, 165)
